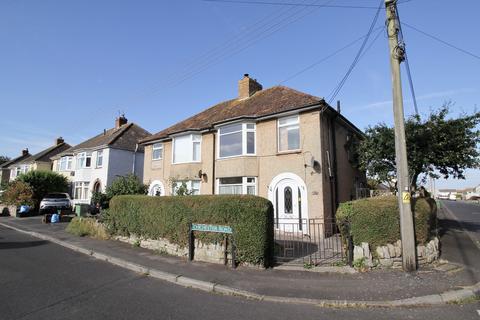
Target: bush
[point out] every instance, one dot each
(124, 185)
(43, 182)
(18, 193)
(377, 220)
(87, 227)
(250, 217)
(100, 198)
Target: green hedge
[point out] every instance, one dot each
(377, 221)
(250, 217)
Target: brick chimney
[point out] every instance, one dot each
(247, 87)
(120, 121)
(25, 152)
(59, 141)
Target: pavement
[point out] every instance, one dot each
(454, 280)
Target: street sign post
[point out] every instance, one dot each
(199, 227)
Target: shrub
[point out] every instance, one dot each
(100, 198)
(124, 185)
(18, 193)
(43, 182)
(377, 220)
(250, 217)
(87, 227)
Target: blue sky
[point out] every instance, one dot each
(69, 67)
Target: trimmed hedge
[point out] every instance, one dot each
(377, 220)
(250, 217)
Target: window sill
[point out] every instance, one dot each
(298, 151)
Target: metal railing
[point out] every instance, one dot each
(311, 242)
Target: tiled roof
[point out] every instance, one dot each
(15, 160)
(46, 154)
(263, 103)
(125, 137)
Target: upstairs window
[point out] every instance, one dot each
(288, 133)
(236, 140)
(84, 160)
(99, 158)
(187, 148)
(157, 151)
(65, 164)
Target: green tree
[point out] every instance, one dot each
(43, 182)
(437, 147)
(128, 184)
(18, 193)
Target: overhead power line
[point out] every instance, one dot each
(407, 64)
(273, 3)
(339, 87)
(323, 59)
(442, 41)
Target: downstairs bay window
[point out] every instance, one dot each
(237, 185)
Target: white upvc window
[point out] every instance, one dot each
(81, 191)
(99, 159)
(65, 163)
(237, 185)
(288, 133)
(193, 186)
(84, 160)
(157, 151)
(236, 139)
(187, 148)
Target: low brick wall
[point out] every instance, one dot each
(390, 256)
(6, 210)
(213, 253)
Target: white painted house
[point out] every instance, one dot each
(93, 164)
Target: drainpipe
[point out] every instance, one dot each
(214, 181)
(134, 158)
(334, 181)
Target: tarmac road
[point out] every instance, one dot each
(41, 280)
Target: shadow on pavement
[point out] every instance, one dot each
(23, 244)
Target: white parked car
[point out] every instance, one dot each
(56, 201)
(453, 196)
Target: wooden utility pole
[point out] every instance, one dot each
(397, 55)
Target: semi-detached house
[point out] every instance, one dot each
(93, 164)
(287, 146)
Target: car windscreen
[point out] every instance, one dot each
(55, 196)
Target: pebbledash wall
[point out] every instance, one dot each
(390, 256)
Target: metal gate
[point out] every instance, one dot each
(310, 242)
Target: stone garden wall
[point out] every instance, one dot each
(213, 253)
(6, 210)
(390, 256)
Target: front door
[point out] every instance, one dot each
(288, 206)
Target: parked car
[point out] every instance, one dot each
(55, 201)
(453, 196)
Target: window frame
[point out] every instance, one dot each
(189, 184)
(99, 156)
(84, 155)
(84, 187)
(244, 131)
(297, 124)
(192, 142)
(245, 184)
(155, 147)
(67, 161)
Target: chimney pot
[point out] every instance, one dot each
(338, 106)
(25, 152)
(120, 121)
(247, 87)
(59, 141)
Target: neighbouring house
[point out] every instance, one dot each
(39, 161)
(287, 146)
(5, 167)
(92, 165)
